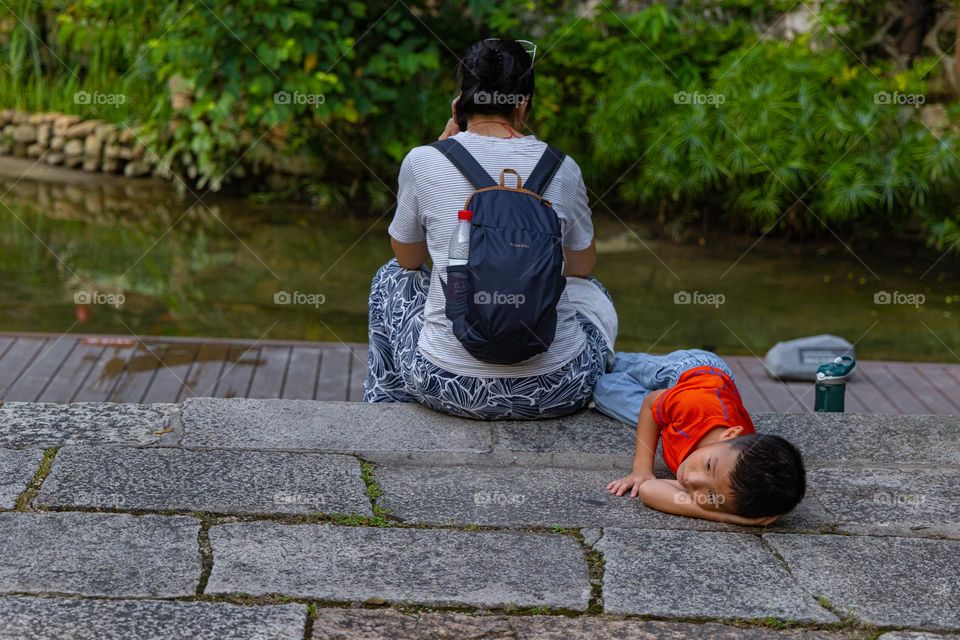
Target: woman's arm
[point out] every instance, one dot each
(410, 255)
(580, 263)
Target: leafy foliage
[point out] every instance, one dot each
(693, 118)
(687, 112)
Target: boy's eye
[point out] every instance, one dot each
(708, 464)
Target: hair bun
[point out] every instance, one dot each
(492, 66)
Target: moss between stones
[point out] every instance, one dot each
(25, 500)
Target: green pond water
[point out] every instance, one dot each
(68, 252)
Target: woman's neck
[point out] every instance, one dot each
(493, 126)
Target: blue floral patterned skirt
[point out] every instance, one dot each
(398, 372)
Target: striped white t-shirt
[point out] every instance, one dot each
(431, 192)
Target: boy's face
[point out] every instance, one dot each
(705, 473)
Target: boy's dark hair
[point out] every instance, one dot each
(768, 478)
(494, 75)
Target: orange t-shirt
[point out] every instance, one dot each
(702, 399)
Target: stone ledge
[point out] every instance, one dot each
(412, 566)
(387, 624)
(686, 574)
(869, 577)
(98, 554)
(234, 482)
(515, 496)
(17, 469)
(46, 424)
(58, 618)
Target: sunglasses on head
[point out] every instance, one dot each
(528, 46)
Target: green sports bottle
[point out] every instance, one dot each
(832, 384)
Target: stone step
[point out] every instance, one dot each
(411, 566)
(58, 618)
(884, 581)
(46, 424)
(388, 624)
(17, 469)
(98, 554)
(695, 574)
(518, 496)
(408, 432)
(231, 482)
(872, 501)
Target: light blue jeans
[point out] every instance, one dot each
(620, 393)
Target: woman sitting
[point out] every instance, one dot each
(415, 353)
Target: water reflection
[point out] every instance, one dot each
(213, 269)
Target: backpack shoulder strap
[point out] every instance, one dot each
(466, 163)
(546, 168)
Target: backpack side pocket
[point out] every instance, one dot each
(457, 293)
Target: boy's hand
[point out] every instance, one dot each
(629, 483)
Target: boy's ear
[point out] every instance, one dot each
(730, 432)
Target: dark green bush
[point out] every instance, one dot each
(684, 113)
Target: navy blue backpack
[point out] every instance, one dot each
(503, 302)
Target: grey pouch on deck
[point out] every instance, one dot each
(798, 359)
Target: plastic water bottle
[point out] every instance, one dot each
(460, 240)
(831, 385)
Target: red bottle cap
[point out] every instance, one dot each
(464, 214)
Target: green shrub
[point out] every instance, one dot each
(694, 118)
(683, 113)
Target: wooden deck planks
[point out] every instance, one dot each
(46, 365)
(333, 382)
(936, 379)
(138, 373)
(302, 372)
(56, 368)
(358, 373)
(208, 366)
(269, 376)
(901, 391)
(172, 371)
(235, 380)
(753, 398)
(17, 359)
(104, 375)
(866, 387)
(73, 374)
(778, 394)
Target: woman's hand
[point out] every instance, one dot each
(452, 127)
(630, 483)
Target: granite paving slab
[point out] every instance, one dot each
(590, 439)
(389, 624)
(917, 635)
(417, 566)
(17, 468)
(847, 439)
(46, 424)
(99, 554)
(584, 439)
(58, 618)
(344, 427)
(905, 502)
(882, 580)
(698, 574)
(525, 496)
(236, 482)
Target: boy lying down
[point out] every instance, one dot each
(724, 470)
